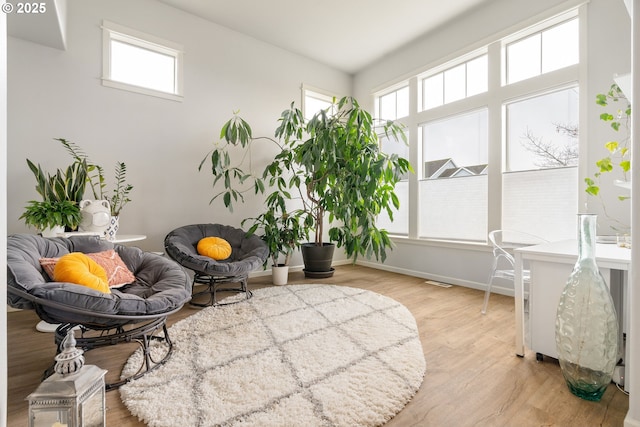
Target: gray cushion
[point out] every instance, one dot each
(247, 252)
(161, 285)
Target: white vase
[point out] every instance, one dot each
(112, 228)
(52, 231)
(280, 274)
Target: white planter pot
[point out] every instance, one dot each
(112, 230)
(280, 274)
(52, 232)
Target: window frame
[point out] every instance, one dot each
(497, 94)
(312, 92)
(533, 30)
(461, 60)
(116, 32)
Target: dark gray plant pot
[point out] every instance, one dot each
(317, 260)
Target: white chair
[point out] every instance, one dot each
(503, 242)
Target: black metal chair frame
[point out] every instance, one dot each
(213, 286)
(143, 334)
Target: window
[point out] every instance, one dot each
(393, 105)
(454, 162)
(542, 52)
(542, 131)
(541, 163)
(314, 101)
(400, 223)
(500, 156)
(458, 82)
(141, 63)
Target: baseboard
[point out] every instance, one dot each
(438, 278)
(631, 422)
(427, 276)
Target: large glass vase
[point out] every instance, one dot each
(586, 323)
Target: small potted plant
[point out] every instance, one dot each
(51, 217)
(282, 231)
(118, 198)
(59, 210)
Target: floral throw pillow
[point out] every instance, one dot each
(118, 274)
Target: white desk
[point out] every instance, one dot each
(550, 265)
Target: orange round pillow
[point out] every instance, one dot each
(214, 247)
(78, 268)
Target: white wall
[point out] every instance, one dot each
(54, 93)
(3, 222)
(633, 373)
(608, 35)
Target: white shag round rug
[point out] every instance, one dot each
(296, 355)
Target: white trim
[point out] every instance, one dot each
(324, 93)
(438, 278)
(557, 10)
(142, 90)
(454, 62)
(316, 93)
(3, 220)
(388, 89)
(632, 418)
(116, 32)
(144, 38)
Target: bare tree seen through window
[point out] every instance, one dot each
(550, 154)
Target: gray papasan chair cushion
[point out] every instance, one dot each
(247, 252)
(161, 285)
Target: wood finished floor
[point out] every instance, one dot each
(473, 377)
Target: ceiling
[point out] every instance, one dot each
(345, 34)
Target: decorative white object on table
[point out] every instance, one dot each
(96, 215)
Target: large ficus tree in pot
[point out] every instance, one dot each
(332, 163)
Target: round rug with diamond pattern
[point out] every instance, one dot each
(296, 355)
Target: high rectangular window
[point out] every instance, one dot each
(393, 105)
(457, 82)
(542, 52)
(313, 101)
(141, 63)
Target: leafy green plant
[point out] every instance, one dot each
(63, 185)
(95, 177)
(332, 164)
(52, 213)
(282, 231)
(618, 151)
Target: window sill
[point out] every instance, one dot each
(142, 90)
